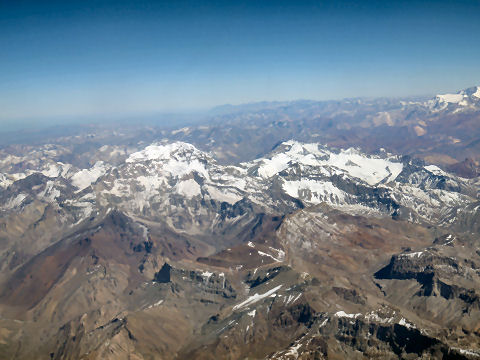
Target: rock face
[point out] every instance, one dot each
(209, 282)
(306, 252)
(163, 276)
(444, 281)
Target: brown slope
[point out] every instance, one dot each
(29, 284)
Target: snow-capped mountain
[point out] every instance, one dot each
(468, 99)
(178, 181)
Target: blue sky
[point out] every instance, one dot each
(61, 59)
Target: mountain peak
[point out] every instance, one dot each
(158, 151)
(460, 96)
(475, 91)
(462, 100)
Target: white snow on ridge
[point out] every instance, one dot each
(468, 352)
(14, 202)
(261, 253)
(4, 181)
(434, 169)
(297, 153)
(181, 168)
(188, 188)
(223, 194)
(273, 166)
(280, 253)
(206, 275)
(451, 98)
(256, 298)
(461, 98)
(86, 177)
(413, 255)
(52, 171)
(50, 192)
(373, 316)
(319, 191)
(160, 152)
(342, 313)
(56, 169)
(293, 350)
(367, 168)
(177, 159)
(150, 183)
(405, 323)
(477, 92)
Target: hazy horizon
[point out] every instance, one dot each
(165, 117)
(65, 60)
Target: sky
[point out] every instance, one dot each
(64, 59)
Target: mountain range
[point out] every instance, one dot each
(289, 230)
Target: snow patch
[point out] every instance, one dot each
(369, 169)
(405, 323)
(413, 255)
(477, 92)
(255, 298)
(188, 188)
(206, 275)
(16, 201)
(177, 159)
(313, 191)
(467, 352)
(273, 166)
(223, 194)
(84, 178)
(342, 313)
(435, 170)
(156, 304)
(451, 98)
(261, 253)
